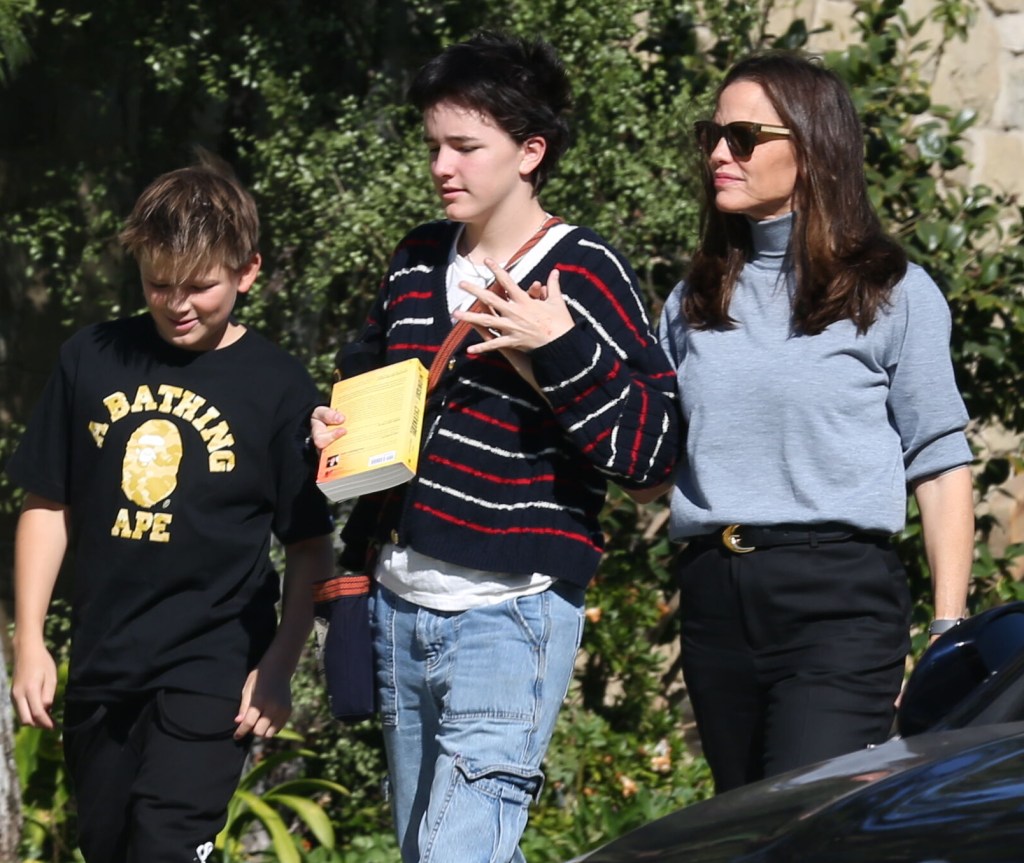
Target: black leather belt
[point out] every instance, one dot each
(743, 539)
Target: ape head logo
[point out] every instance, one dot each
(149, 472)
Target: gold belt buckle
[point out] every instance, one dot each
(731, 539)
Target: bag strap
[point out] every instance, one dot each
(461, 329)
(341, 585)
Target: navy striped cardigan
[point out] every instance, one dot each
(507, 482)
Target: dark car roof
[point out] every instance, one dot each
(955, 796)
(952, 795)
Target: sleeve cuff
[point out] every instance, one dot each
(942, 455)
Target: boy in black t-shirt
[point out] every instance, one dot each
(165, 450)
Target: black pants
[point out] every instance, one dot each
(791, 654)
(152, 776)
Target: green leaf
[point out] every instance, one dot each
(931, 143)
(310, 786)
(962, 121)
(310, 812)
(26, 752)
(284, 844)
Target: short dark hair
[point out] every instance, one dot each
(845, 264)
(519, 83)
(192, 219)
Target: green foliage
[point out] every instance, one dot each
(631, 626)
(290, 813)
(306, 100)
(350, 755)
(602, 782)
(48, 831)
(15, 16)
(49, 818)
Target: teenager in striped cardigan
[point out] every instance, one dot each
(560, 386)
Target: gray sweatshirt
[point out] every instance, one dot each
(786, 428)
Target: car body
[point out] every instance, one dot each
(949, 788)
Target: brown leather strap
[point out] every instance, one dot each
(461, 329)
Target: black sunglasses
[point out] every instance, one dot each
(741, 136)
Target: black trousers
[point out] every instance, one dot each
(793, 654)
(152, 776)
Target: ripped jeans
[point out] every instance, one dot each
(468, 702)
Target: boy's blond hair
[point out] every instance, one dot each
(192, 220)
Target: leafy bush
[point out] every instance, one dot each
(296, 825)
(48, 831)
(306, 99)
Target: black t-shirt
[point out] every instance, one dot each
(176, 466)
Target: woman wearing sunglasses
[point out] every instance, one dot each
(814, 372)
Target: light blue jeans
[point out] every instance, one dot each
(468, 703)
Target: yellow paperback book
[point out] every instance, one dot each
(383, 412)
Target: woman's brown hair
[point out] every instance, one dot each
(844, 263)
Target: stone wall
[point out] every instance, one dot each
(986, 73)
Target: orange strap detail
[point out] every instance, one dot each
(342, 585)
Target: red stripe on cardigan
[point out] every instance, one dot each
(489, 359)
(610, 296)
(634, 455)
(412, 295)
(484, 418)
(545, 420)
(535, 531)
(590, 447)
(491, 477)
(412, 346)
(612, 375)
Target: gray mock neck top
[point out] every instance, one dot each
(790, 428)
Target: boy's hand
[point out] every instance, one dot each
(34, 685)
(266, 695)
(325, 426)
(266, 703)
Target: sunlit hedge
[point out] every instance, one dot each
(305, 98)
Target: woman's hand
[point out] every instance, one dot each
(326, 426)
